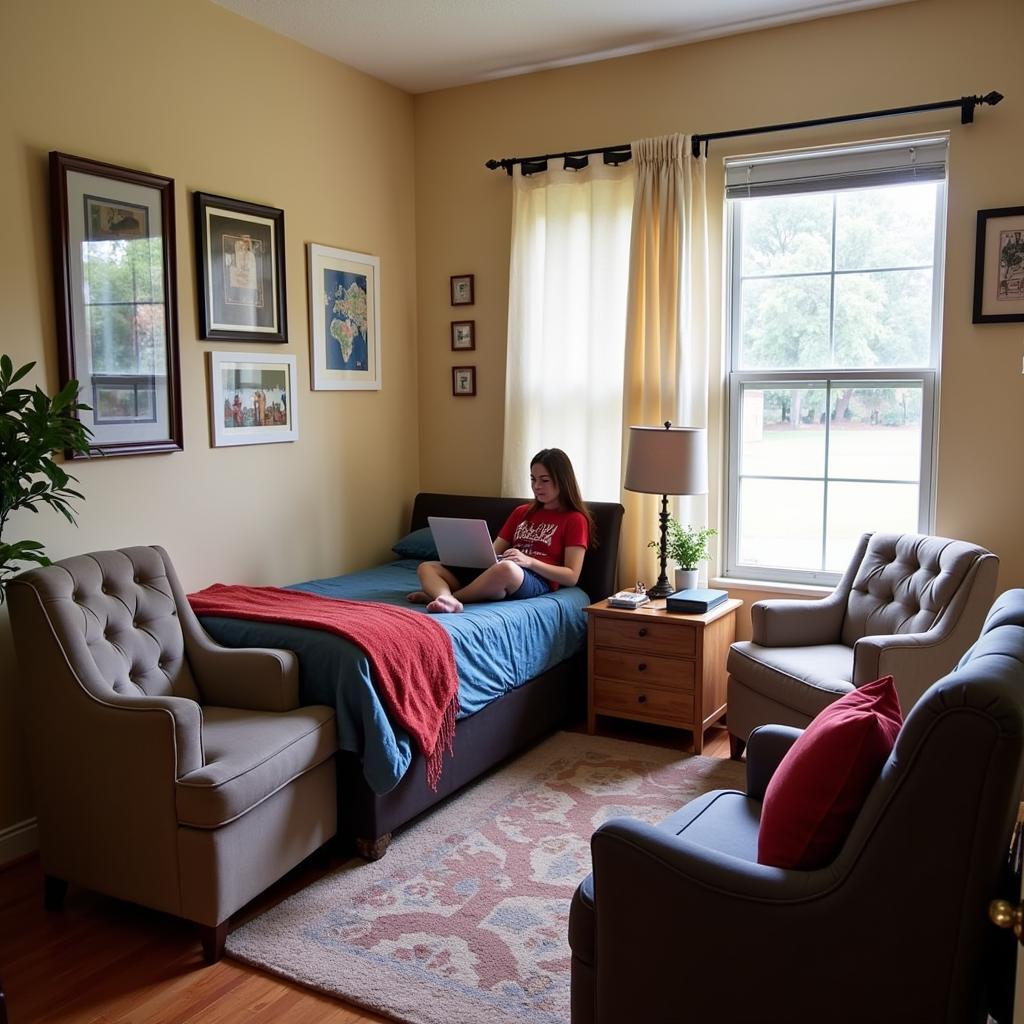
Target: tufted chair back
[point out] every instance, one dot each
(115, 616)
(906, 582)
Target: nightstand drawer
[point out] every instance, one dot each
(643, 668)
(634, 700)
(673, 639)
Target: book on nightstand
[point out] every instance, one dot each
(695, 601)
(627, 599)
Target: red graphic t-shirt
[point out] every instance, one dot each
(546, 533)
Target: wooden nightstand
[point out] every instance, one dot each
(654, 666)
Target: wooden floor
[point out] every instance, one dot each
(100, 961)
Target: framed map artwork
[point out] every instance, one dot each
(344, 313)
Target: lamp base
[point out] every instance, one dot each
(661, 589)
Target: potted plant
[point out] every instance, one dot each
(687, 547)
(32, 427)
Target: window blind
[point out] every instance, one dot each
(831, 169)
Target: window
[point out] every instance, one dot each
(834, 292)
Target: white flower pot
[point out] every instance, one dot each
(686, 579)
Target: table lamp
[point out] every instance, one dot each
(666, 460)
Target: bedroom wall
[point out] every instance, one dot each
(191, 91)
(907, 54)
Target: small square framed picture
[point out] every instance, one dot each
(463, 381)
(463, 335)
(462, 290)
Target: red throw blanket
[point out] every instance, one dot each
(411, 655)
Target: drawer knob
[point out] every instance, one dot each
(642, 699)
(642, 667)
(642, 631)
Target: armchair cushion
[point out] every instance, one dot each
(808, 679)
(250, 755)
(817, 791)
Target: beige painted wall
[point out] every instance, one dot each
(908, 54)
(188, 90)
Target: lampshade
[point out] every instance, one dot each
(671, 460)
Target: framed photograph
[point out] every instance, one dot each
(344, 314)
(463, 335)
(463, 380)
(252, 398)
(116, 290)
(999, 266)
(240, 270)
(462, 290)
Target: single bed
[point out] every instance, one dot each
(521, 667)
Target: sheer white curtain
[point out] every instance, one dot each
(666, 360)
(566, 324)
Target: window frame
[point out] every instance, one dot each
(737, 379)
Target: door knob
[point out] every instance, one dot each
(1008, 915)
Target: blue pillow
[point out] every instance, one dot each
(418, 544)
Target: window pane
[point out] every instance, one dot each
(783, 433)
(787, 234)
(883, 319)
(885, 227)
(784, 323)
(856, 508)
(876, 433)
(780, 523)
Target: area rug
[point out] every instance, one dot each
(464, 920)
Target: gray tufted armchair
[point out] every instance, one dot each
(167, 771)
(908, 606)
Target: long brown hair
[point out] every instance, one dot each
(557, 463)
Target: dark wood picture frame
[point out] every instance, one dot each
(996, 280)
(240, 270)
(115, 286)
(463, 335)
(463, 381)
(461, 286)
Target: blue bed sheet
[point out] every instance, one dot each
(498, 646)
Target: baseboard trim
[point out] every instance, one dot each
(18, 840)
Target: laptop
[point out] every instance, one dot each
(465, 543)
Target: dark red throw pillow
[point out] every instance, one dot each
(818, 789)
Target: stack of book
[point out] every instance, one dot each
(627, 599)
(695, 601)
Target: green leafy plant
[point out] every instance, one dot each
(686, 546)
(32, 427)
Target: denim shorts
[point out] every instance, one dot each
(533, 584)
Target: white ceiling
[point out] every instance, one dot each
(421, 45)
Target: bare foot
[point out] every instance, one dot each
(417, 597)
(445, 603)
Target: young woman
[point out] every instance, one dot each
(540, 548)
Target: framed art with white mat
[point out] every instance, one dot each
(344, 319)
(252, 398)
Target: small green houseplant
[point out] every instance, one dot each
(32, 427)
(687, 547)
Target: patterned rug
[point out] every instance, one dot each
(464, 920)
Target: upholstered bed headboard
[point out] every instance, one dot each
(598, 576)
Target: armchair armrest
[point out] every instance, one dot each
(141, 735)
(789, 623)
(766, 747)
(249, 678)
(914, 660)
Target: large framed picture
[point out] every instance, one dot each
(252, 398)
(999, 266)
(115, 285)
(240, 270)
(344, 319)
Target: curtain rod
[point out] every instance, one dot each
(577, 158)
